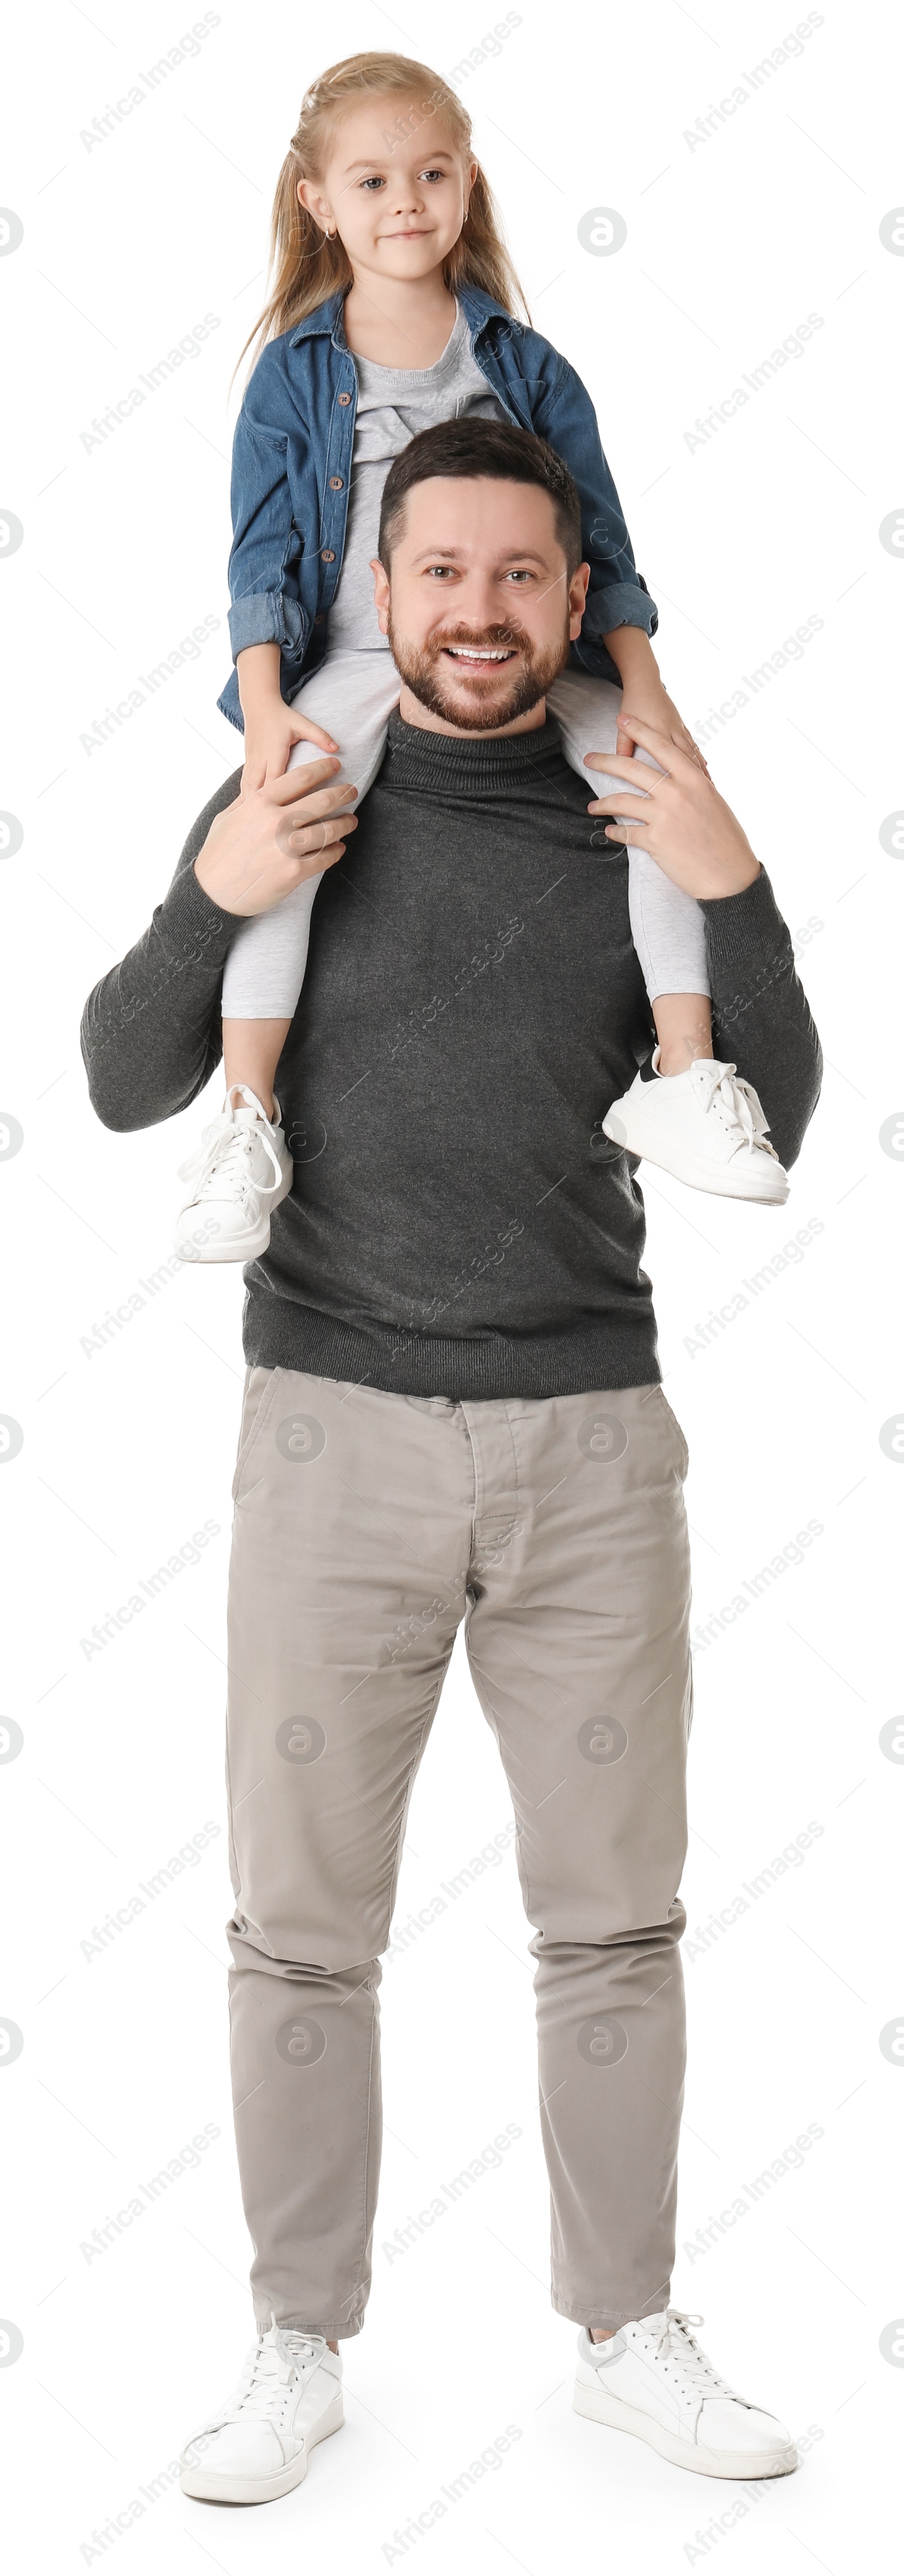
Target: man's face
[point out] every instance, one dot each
(479, 607)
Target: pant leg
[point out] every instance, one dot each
(578, 1643)
(351, 696)
(667, 925)
(348, 1577)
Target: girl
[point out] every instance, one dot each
(393, 307)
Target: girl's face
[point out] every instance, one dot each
(394, 188)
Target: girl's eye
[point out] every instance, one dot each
(376, 182)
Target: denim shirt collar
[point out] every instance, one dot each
(326, 320)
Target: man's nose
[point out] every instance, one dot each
(480, 603)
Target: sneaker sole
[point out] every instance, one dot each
(210, 2488)
(699, 1174)
(229, 1247)
(683, 2455)
(224, 1248)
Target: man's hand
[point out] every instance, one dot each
(268, 841)
(677, 814)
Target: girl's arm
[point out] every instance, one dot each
(271, 727)
(620, 616)
(616, 598)
(644, 692)
(265, 617)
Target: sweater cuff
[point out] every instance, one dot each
(743, 928)
(192, 926)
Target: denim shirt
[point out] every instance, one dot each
(291, 470)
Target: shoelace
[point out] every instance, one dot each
(676, 2345)
(738, 1102)
(225, 1154)
(272, 2369)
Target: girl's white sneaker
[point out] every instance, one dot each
(652, 2379)
(706, 1127)
(241, 1171)
(257, 2446)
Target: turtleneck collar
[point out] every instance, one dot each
(458, 763)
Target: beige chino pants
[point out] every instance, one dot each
(367, 1525)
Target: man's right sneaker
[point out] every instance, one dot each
(239, 1174)
(257, 2446)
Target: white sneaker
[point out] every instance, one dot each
(706, 1127)
(257, 2446)
(651, 2378)
(241, 1171)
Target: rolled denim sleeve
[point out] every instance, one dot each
(619, 603)
(266, 545)
(616, 594)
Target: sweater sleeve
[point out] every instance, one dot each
(151, 1033)
(761, 1016)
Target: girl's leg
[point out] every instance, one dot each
(353, 695)
(666, 924)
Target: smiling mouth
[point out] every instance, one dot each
(472, 657)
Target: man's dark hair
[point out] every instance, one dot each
(468, 448)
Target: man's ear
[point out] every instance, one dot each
(577, 598)
(381, 593)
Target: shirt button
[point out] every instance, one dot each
(320, 620)
(344, 398)
(328, 555)
(335, 482)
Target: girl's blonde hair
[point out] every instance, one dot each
(305, 267)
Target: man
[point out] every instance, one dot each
(453, 1410)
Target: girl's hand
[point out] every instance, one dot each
(658, 711)
(269, 735)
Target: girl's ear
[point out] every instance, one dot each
(470, 176)
(311, 197)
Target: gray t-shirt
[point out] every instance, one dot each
(393, 404)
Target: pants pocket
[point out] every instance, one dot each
(683, 1450)
(258, 1382)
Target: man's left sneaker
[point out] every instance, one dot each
(706, 1127)
(652, 2379)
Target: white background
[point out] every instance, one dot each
(127, 1449)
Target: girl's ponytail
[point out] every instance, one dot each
(306, 267)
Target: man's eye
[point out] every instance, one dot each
(438, 572)
(518, 576)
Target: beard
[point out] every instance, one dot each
(432, 682)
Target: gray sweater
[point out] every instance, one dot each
(473, 1004)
